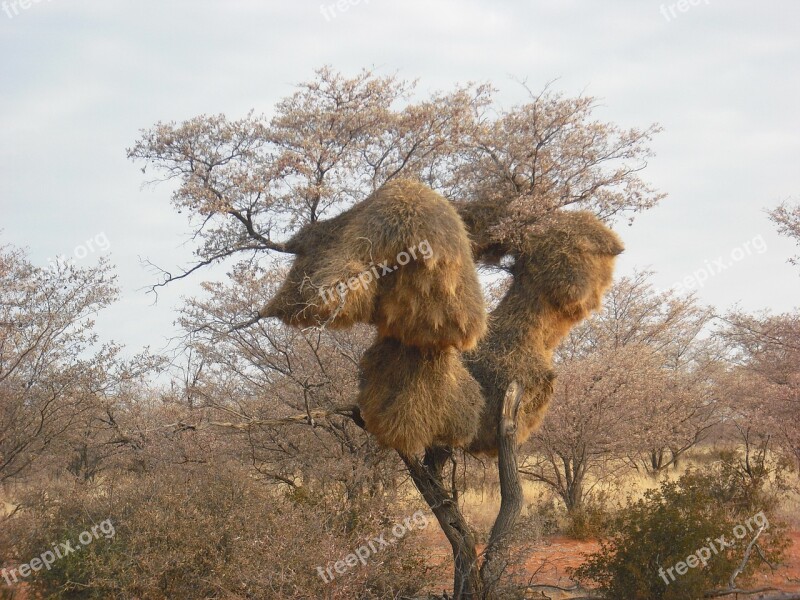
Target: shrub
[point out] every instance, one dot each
(673, 522)
(211, 533)
(590, 520)
(542, 517)
(547, 516)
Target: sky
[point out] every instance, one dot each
(80, 79)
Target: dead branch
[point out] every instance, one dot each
(745, 558)
(307, 418)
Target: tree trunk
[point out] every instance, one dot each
(497, 556)
(470, 582)
(575, 495)
(572, 494)
(427, 478)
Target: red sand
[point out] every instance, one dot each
(549, 560)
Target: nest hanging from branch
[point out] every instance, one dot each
(402, 260)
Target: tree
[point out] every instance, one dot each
(787, 218)
(51, 378)
(763, 384)
(634, 386)
(250, 183)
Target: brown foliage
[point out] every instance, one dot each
(54, 377)
(635, 387)
(762, 388)
(787, 218)
(337, 139)
(211, 531)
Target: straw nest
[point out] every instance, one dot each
(559, 277)
(400, 260)
(414, 398)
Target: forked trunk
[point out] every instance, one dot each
(471, 581)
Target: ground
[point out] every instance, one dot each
(548, 561)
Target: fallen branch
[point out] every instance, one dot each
(308, 418)
(745, 558)
(778, 595)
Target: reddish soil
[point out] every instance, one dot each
(787, 576)
(549, 560)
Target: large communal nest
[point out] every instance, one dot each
(402, 260)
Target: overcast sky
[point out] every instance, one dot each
(79, 79)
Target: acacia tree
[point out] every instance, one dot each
(249, 184)
(679, 406)
(787, 218)
(635, 387)
(54, 381)
(763, 384)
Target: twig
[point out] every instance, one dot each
(745, 558)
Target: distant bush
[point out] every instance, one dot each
(590, 520)
(201, 533)
(542, 517)
(674, 522)
(545, 517)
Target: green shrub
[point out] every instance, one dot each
(669, 524)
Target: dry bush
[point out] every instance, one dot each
(211, 532)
